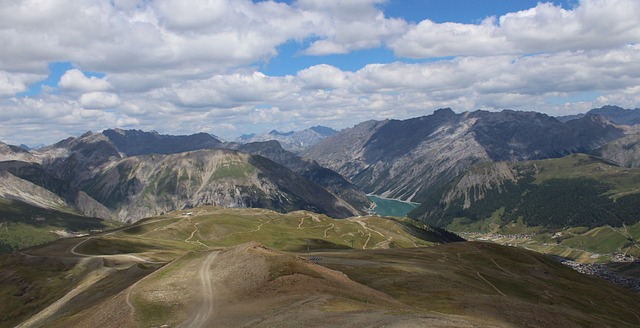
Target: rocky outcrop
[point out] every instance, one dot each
(15, 153)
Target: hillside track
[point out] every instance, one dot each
(206, 309)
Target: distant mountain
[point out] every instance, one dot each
(411, 158)
(142, 186)
(136, 142)
(70, 167)
(294, 141)
(15, 153)
(624, 151)
(615, 114)
(309, 169)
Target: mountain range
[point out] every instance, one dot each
(408, 159)
(293, 141)
(126, 175)
(127, 228)
(129, 175)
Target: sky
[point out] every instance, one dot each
(231, 67)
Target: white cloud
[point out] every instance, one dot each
(99, 100)
(345, 26)
(10, 84)
(74, 79)
(323, 77)
(181, 67)
(593, 24)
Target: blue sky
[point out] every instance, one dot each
(230, 67)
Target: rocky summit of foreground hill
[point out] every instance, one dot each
(143, 186)
(408, 159)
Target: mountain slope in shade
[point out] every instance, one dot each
(148, 185)
(294, 141)
(136, 142)
(409, 159)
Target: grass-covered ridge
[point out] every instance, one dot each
(206, 227)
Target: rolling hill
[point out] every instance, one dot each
(231, 267)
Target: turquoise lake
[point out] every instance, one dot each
(390, 207)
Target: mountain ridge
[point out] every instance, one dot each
(406, 159)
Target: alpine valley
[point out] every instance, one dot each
(516, 219)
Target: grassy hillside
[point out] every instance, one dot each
(503, 285)
(207, 227)
(103, 264)
(577, 203)
(212, 265)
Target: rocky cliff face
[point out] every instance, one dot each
(147, 185)
(409, 159)
(87, 173)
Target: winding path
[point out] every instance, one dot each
(206, 307)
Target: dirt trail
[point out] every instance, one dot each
(114, 256)
(206, 307)
(490, 284)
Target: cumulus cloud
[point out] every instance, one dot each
(99, 100)
(323, 77)
(10, 84)
(181, 67)
(592, 24)
(74, 79)
(345, 26)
